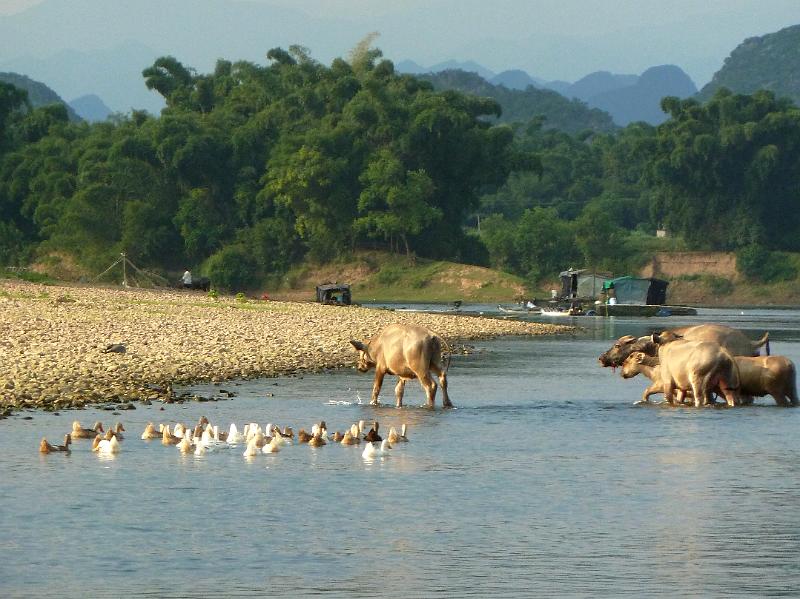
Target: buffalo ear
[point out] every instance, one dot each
(655, 338)
(358, 345)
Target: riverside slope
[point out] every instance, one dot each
(51, 341)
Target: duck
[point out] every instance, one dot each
(45, 447)
(101, 445)
(273, 446)
(234, 436)
(372, 436)
(118, 430)
(200, 449)
(349, 439)
(288, 432)
(167, 438)
(354, 431)
(252, 448)
(220, 436)
(303, 436)
(78, 432)
(337, 437)
(393, 437)
(203, 421)
(317, 441)
(179, 430)
(150, 431)
(185, 444)
(372, 450)
(403, 436)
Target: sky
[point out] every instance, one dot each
(550, 39)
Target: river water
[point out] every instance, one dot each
(544, 481)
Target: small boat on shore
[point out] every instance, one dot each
(519, 309)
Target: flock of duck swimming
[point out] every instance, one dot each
(205, 438)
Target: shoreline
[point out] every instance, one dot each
(52, 339)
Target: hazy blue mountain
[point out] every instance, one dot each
(599, 82)
(39, 94)
(561, 113)
(515, 79)
(642, 101)
(115, 74)
(468, 66)
(410, 67)
(90, 108)
(770, 62)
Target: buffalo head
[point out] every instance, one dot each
(365, 362)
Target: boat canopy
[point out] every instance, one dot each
(632, 290)
(585, 283)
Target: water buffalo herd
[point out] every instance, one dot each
(698, 362)
(694, 364)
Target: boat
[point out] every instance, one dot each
(519, 309)
(643, 310)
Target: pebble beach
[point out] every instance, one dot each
(52, 341)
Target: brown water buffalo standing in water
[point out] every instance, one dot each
(773, 375)
(408, 352)
(730, 339)
(696, 366)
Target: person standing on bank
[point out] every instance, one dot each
(186, 279)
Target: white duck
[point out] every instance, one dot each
(252, 448)
(185, 445)
(273, 446)
(105, 446)
(372, 451)
(234, 436)
(179, 430)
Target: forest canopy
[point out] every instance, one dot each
(253, 168)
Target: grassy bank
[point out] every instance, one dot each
(382, 277)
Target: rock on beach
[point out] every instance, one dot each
(52, 340)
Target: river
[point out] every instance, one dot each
(544, 481)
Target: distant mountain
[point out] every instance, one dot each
(770, 62)
(469, 66)
(598, 82)
(38, 93)
(642, 101)
(515, 79)
(521, 106)
(90, 108)
(115, 74)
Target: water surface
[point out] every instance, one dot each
(545, 481)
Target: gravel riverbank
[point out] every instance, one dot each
(52, 340)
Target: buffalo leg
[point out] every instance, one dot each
(376, 386)
(429, 385)
(445, 397)
(398, 391)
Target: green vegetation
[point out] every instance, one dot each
(253, 173)
(769, 62)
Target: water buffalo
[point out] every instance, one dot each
(699, 367)
(732, 340)
(768, 375)
(408, 352)
(640, 363)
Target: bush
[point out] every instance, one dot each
(231, 268)
(757, 263)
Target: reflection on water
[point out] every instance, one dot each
(544, 481)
